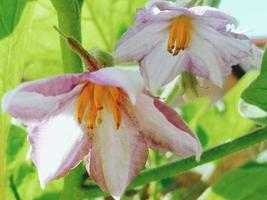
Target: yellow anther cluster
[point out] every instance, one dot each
(91, 102)
(179, 34)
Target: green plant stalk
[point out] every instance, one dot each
(183, 165)
(69, 22)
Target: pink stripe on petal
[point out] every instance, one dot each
(52, 86)
(163, 129)
(35, 100)
(173, 117)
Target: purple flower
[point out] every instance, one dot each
(104, 116)
(168, 40)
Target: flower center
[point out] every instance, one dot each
(91, 101)
(179, 34)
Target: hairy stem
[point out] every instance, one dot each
(183, 165)
(69, 22)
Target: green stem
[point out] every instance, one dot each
(154, 162)
(69, 22)
(183, 165)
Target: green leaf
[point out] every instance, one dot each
(256, 93)
(30, 180)
(12, 51)
(16, 140)
(10, 13)
(244, 183)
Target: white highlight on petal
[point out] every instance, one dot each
(58, 144)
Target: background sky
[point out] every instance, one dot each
(252, 15)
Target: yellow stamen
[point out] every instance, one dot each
(115, 109)
(82, 101)
(92, 114)
(98, 96)
(115, 92)
(172, 35)
(179, 34)
(91, 101)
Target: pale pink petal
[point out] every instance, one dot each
(232, 50)
(161, 5)
(208, 59)
(32, 101)
(139, 41)
(164, 11)
(253, 62)
(213, 17)
(58, 144)
(163, 129)
(117, 155)
(160, 67)
(130, 81)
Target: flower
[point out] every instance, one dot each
(104, 116)
(168, 40)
